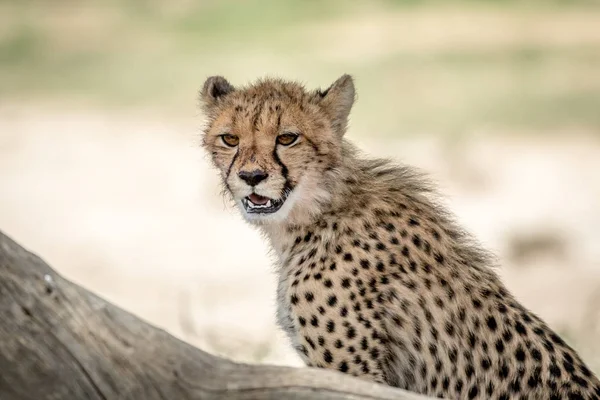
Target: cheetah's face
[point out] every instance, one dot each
(274, 142)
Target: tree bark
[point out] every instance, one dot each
(59, 341)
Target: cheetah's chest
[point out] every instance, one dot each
(325, 316)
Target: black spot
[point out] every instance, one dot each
(405, 251)
(554, 370)
(365, 264)
(586, 371)
(364, 343)
(469, 370)
(439, 302)
(433, 349)
(439, 258)
(417, 345)
(321, 310)
(500, 346)
(536, 354)
(327, 357)
(321, 340)
(374, 353)
(380, 246)
(413, 221)
(338, 249)
(347, 257)
(343, 367)
(520, 328)
(346, 283)
(453, 355)
(504, 371)
(515, 385)
(476, 304)
(330, 326)
(302, 321)
(449, 329)
(502, 308)
(394, 240)
(365, 367)
(491, 323)
(310, 342)
(294, 299)
(459, 386)
(580, 381)
(539, 331)
(309, 296)
(332, 301)
(314, 321)
(507, 336)
(416, 239)
(327, 283)
(350, 332)
(302, 349)
(380, 267)
(548, 345)
(338, 344)
(520, 354)
(308, 236)
(473, 392)
(351, 349)
(317, 276)
(486, 363)
(534, 379)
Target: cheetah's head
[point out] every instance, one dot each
(275, 143)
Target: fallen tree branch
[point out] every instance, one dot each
(59, 341)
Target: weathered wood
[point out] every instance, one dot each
(59, 341)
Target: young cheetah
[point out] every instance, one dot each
(375, 278)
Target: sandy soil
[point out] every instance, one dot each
(128, 207)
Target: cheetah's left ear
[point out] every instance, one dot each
(214, 90)
(337, 102)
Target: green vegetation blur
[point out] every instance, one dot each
(449, 67)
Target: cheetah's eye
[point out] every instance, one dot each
(230, 140)
(287, 139)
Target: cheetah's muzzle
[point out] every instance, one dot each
(257, 204)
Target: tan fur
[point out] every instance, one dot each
(375, 279)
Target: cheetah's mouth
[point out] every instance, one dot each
(257, 204)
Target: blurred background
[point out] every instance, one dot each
(102, 175)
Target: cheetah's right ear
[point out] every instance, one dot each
(337, 102)
(214, 90)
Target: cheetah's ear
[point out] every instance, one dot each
(214, 90)
(337, 102)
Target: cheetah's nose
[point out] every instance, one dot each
(253, 178)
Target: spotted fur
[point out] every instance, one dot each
(375, 278)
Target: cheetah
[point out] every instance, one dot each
(375, 278)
